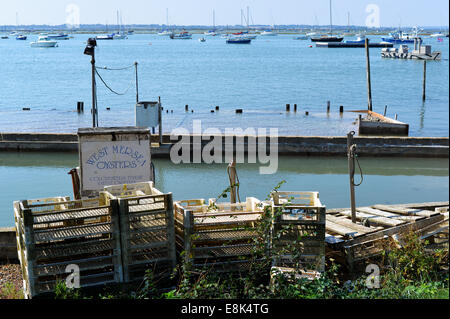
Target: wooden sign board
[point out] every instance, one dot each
(112, 156)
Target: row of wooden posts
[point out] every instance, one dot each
(80, 105)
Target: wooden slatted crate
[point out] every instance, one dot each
(298, 231)
(147, 230)
(217, 235)
(55, 233)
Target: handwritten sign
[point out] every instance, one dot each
(112, 163)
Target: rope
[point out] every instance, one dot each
(234, 185)
(114, 69)
(109, 88)
(360, 171)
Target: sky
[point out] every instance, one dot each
(389, 13)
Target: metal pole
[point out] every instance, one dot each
(94, 106)
(424, 79)
(137, 84)
(159, 120)
(369, 85)
(351, 171)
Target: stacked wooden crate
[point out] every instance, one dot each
(114, 238)
(147, 230)
(54, 234)
(218, 236)
(298, 233)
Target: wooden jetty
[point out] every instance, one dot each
(352, 45)
(380, 125)
(358, 242)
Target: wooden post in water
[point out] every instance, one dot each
(159, 120)
(328, 106)
(424, 79)
(369, 85)
(351, 171)
(232, 178)
(137, 84)
(288, 107)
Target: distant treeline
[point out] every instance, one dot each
(102, 27)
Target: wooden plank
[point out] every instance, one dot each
(422, 205)
(378, 212)
(378, 220)
(171, 230)
(124, 236)
(414, 226)
(341, 230)
(348, 223)
(405, 211)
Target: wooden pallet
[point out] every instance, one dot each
(375, 224)
(218, 236)
(52, 235)
(298, 231)
(147, 231)
(112, 239)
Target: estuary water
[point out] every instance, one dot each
(386, 180)
(260, 78)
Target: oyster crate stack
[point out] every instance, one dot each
(298, 233)
(147, 230)
(218, 236)
(54, 234)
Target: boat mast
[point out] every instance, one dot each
(214, 20)
(118, 25)
(248, 18)
(331, 21)
(348, 20)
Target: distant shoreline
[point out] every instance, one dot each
(283, 29)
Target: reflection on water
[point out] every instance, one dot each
(386, 180)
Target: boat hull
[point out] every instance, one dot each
(181, 36)
(104, 38)
(44, 44)
(398, 41)
(239, 41)
(327, 39)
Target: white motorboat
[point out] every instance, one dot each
(437, 35)
(269, 33)
(44, 42)
(165, 33)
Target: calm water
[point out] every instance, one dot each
(386, 180)
(260, 78)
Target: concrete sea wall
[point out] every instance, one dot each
(287, 145)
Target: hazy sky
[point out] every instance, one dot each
(199, 12)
